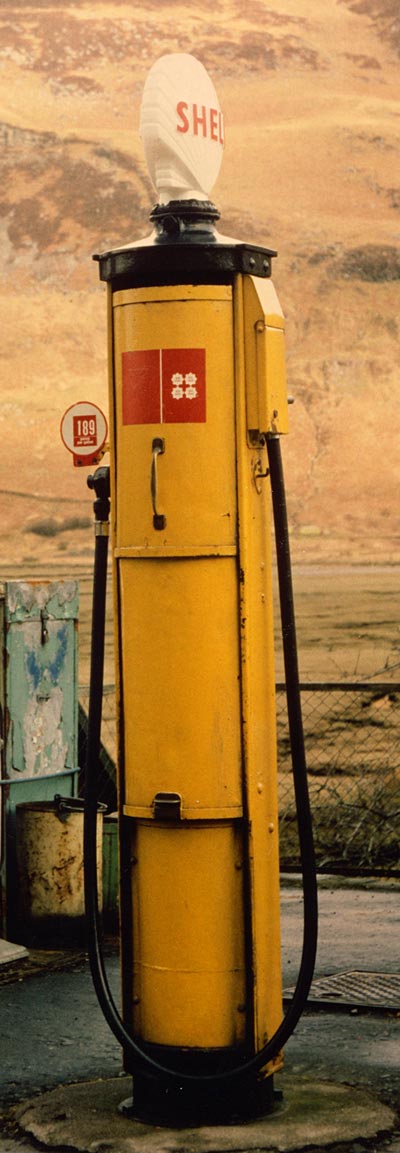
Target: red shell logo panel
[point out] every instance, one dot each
(164, 386)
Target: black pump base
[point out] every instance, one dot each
(182, 1106)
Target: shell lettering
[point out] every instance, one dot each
(200, 120)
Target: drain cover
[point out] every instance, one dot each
(381, 990)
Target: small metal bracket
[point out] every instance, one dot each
(44, 632)
(258, 466)
(167, 807)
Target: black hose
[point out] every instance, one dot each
(93, 747)
(140, 1059)
(303, 809)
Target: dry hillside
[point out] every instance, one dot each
(310, 93)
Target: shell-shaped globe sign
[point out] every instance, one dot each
(181, 125)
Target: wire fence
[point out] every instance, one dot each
(107, 785)
(352, 736)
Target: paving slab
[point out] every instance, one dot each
(10, 953)
(86, 1118)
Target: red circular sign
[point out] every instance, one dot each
(84, 430)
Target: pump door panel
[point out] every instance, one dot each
(173, 360)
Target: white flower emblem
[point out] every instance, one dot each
(190, 391)
(190, 381)
(177, 381)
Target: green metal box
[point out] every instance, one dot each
(38, 710)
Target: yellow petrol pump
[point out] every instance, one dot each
(197, 406)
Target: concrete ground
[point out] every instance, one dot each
(341, 1082)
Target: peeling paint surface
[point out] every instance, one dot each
(54, 661)
(24, 597)
(41, 659)
(44, 747)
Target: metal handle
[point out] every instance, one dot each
(44, 632)
(157, 448)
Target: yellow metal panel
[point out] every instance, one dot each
(180, 663)
(265, 373)
(259, 713)
(189, 978)
(196, 472)
(169, 550)
(173, 292)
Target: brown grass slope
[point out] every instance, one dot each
(310, 93)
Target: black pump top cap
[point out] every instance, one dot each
(184, 248)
